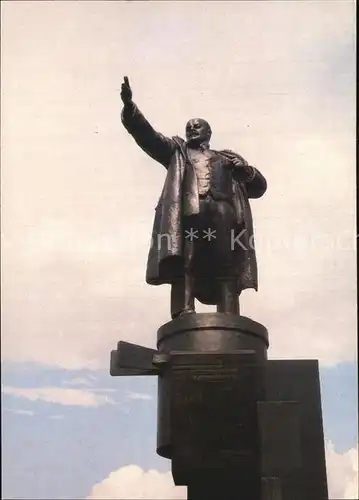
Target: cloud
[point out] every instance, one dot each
(132, 482)
(79, 381)
(139, 396)
(28, 413)
(70, 397)
(342, 470)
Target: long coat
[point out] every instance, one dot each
(165, 259)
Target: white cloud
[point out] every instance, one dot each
(71, 397)
(28, 413)
(342, 470)
(79, 381)
(78, 206)
(132, 482)
(139, 395)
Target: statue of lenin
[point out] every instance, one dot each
(202, 239)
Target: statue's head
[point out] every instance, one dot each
(198, 131)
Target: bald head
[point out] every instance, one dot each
(198, 131)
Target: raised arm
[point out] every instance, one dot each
(156, 145)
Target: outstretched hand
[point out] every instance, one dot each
(126, 92)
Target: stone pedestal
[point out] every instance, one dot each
(235, 425)
(197, 334)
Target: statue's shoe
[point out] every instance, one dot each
(184, 312)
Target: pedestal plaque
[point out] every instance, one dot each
(214, 415)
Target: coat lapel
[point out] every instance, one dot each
(189, 187)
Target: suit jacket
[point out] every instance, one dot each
(165, 259)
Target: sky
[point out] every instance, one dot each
(276, 81)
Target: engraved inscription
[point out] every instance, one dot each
(204, 396)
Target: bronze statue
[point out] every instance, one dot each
(202, 239)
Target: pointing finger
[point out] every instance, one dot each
(126, 81)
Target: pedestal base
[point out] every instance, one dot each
(202, 333)
(235, 425)
(213, 332)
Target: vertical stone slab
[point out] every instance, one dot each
(214, 419)
(298, 380)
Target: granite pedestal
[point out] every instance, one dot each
(234, 424)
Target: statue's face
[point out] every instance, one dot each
(198, 131)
